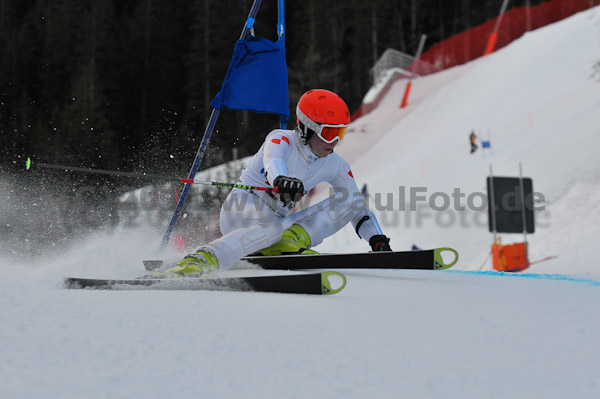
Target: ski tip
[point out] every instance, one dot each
(327, 284)
(28, 163)
(438, 260)
(151, 265)
(68, 283)
(72, 283)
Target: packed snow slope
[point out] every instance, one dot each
(461, 333)
(538, 103)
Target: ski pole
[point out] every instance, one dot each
(29, 164)
(273, 190)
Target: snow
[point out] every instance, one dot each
(537, 103)
(459, 333)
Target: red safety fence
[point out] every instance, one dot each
(471, 44)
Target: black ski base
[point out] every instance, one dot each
(314, 283)
(418, 260)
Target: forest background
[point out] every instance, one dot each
(126, 84)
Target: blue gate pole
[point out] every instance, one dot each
(205, 139)
(281, 34)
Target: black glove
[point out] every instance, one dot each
(380, 243)
(290, 189)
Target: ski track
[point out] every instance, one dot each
(389, 333)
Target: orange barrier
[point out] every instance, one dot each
(406, 94)
(509, 258)
(491, 44)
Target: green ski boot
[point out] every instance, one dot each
(201, 262)
(295, 240)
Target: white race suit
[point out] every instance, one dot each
(252, 220)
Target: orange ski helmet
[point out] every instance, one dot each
(324, 113)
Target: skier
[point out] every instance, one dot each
(293, 162)
(473, 141)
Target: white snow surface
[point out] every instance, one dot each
(463, 333)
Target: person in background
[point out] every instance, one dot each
(473, 141)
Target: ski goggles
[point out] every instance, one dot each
(327, 133)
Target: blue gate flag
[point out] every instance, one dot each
(486, 144)
(256, 79)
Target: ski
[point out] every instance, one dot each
(429, 259)
(424, 260)
(313, 283)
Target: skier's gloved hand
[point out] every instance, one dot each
(290, 189)
(380, 243)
